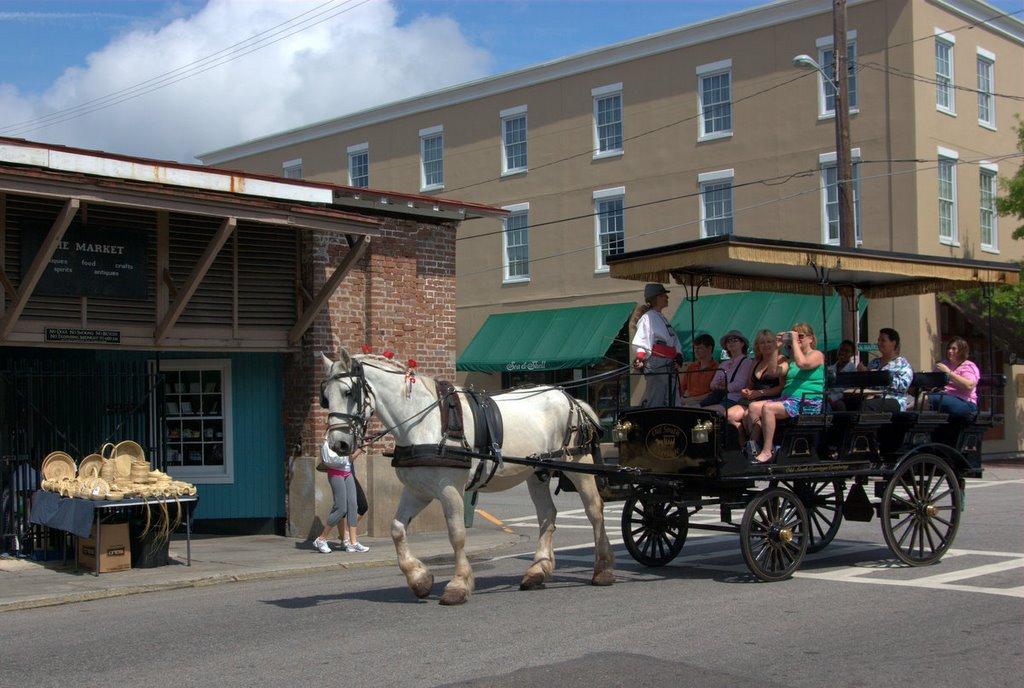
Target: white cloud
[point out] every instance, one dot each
(355, 60)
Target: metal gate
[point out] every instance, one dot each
(70, 405)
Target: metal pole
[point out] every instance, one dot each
(844, 165)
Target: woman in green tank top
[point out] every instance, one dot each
(805, 387)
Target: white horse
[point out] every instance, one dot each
(537, 421)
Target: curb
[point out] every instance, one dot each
(220, 579)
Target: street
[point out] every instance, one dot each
(850, 617)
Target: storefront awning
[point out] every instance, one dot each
(749, 312)
(544, 340)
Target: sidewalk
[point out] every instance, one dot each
(25, 583)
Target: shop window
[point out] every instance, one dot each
(197, 420)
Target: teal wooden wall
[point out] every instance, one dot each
(258, 441)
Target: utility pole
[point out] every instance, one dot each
(844, 165)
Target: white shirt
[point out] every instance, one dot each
(651, 329)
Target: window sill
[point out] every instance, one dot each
(601, 271)
(831, 114)
(608, 154)
(949, 242)
(432, 187)
(990, 249)
(515, 173)
(516, 280)
(715, 137)
(986, 125)
(951, 113)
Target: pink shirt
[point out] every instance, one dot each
(967, 370)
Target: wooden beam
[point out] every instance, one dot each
(227, 227)
(38, 267)
(304, 321)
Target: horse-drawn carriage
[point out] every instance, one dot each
(908, 468)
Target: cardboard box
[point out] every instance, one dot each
(116, 549)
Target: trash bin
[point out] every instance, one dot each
(149, 550)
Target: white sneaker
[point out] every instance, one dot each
(356, 547)
(322, 545)
(345, 542)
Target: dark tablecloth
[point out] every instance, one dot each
(73, 515)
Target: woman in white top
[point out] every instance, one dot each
(656, 349)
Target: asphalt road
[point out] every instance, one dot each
(850, 617)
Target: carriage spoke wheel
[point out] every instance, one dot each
(654, 529)
(824, 504)
(921, 510)
(773, 534)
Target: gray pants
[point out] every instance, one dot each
(662, 383)
(344, 490)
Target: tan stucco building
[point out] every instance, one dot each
(704, 129)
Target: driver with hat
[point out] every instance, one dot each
(655, 348)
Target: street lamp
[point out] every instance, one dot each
(844, 166)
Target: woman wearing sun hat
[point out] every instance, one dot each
(656, 349)
(733, 374)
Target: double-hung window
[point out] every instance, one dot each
(947, 196)
(609, 224)
(716, 203)
(828, 164)
(513, 140)
(516, 240)
(944, 83)
(359, 165)
(987, 202)
(432, 158)
(826, 87)
(986, 88)
(607, 120)
(715, 93)
(293, 169)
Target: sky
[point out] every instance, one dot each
(174, 79)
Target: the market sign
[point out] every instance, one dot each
(90, 260)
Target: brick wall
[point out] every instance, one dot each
(399, 296)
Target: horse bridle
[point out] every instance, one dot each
(351, 423)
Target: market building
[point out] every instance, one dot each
(698, 131)
(185, 308)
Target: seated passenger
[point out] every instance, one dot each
(805, 386)
(895, 398)
(767, 379)
(695, 380)
(960, 396)
(846, 362)
(732, 376)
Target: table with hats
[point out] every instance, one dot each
(121, 520)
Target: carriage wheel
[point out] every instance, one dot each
(654, 529)
(824, 504)
(773, 534)
(921, 510)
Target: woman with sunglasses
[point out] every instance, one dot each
(732, 376)
(960, 396)
(805, 386)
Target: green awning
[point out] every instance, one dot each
(751, 311)
(544, 340)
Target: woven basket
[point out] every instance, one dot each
(90, 466)
(58, 465)
(124, 454)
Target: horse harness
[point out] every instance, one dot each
(487, 425)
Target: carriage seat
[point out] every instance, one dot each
(860, 385)
(921, 386)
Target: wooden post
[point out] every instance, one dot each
(844, 165)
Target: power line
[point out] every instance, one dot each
(240, 49)
(895, 71)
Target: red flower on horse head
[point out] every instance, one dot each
(389, 354)
(412, 362)
(366, 348)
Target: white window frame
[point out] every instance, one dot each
(708, 181)
(517, 210)
(830, 161)
(711, 71)
(948, 158)
(599, 95)
(205, 474)
(601, 197)
(292, 169)
(824, 45)
(508, 117)
(948, 90)
(988, 171)
(986, 70)
(426, 135)
(357, 151)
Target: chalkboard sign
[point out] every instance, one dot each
(89, 261)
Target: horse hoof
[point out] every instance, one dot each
(603, 578)
(450, 598)
(421, 587)
(532, 581)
